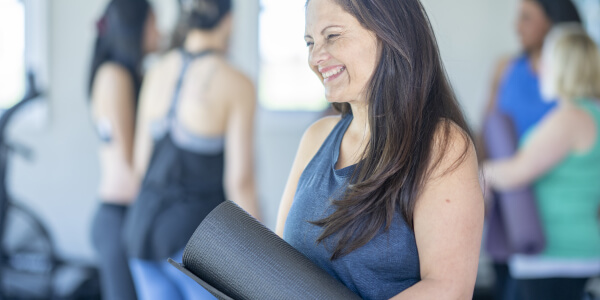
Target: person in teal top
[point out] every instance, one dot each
(515, 92)
(561, 158)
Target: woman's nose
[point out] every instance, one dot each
(317, 55)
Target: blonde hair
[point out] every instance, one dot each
(571, 64)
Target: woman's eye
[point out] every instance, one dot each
(332, 36)
(308, 44)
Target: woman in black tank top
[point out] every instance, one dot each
(126, 31)
(193, 149)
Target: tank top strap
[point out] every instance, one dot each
(326, 157)
(593, 108)
(186, 60)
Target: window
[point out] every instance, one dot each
(285, 81)
(12, 50)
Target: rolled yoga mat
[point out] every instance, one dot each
(514, 224)
(496, 242)
(234, 256)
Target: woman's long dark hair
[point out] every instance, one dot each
(560, 11)
(121, 38)
(409, 100)
(198, 14)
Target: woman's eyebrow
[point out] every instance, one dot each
(330, 26)
(322, 31)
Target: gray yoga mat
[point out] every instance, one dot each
(234, 256)
(514, 224)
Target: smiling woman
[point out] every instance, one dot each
(12, 49)
(334, 58)
(385, 198)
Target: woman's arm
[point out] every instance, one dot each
(448, 224)
(239, 150)
(550, 143)
(312, 139)
(144, 144)
(113, 100)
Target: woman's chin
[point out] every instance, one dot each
(335, 99)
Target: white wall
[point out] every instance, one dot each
(473, 35)
(61, 181)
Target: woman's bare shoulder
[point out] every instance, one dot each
(166, 63)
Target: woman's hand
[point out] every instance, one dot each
(553, 139)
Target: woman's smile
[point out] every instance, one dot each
(331, 73)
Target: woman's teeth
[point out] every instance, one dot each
(333, 72)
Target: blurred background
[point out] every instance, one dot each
(53, 39)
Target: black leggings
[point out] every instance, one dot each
(505, 287)
(115, 276)
(552, 288)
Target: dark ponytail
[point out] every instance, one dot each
(560, 11)
(199, 14)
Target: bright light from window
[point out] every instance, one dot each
(286, 82)
(12, 49)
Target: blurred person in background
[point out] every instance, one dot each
(560, 157)
(193, 149)
(126, 32)
(515, 88)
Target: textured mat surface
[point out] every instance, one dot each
(236, 257)
(514, 224)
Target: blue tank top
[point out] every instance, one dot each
(520, 98)
(381, 269)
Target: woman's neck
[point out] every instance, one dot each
(198, 40)
(535, 58)
(359, 128)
